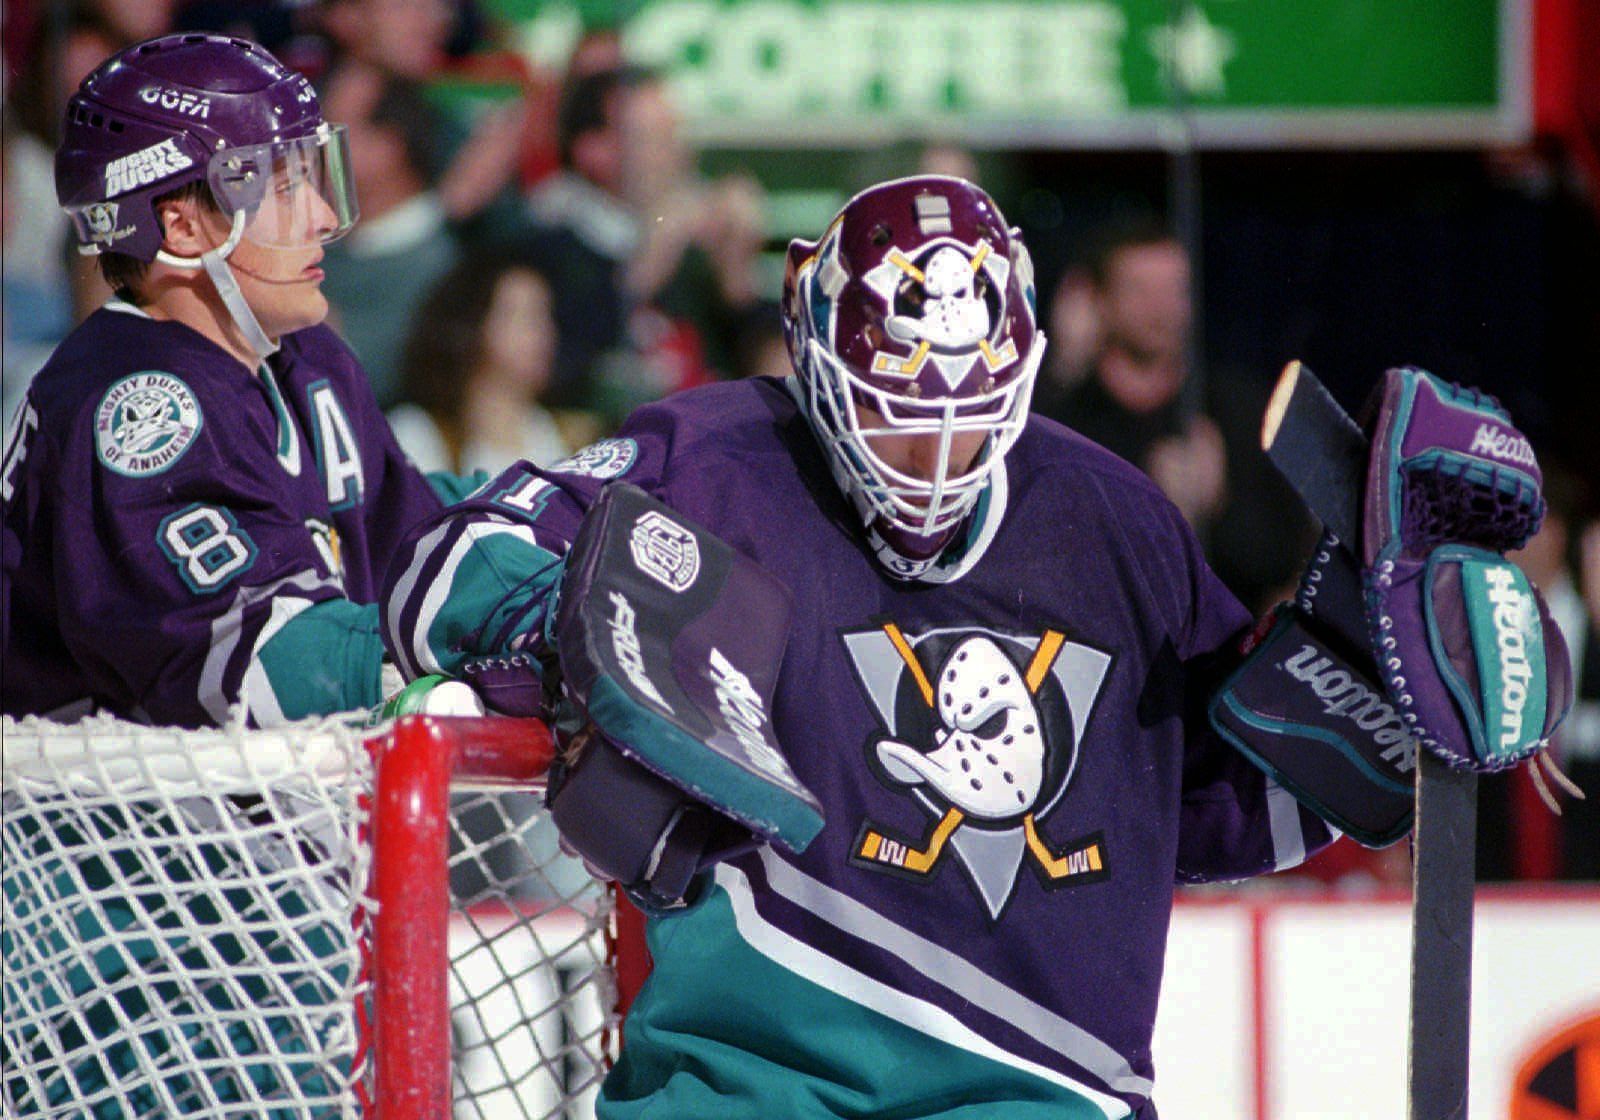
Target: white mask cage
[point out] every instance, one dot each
(920, 506)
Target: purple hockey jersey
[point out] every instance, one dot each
(1013, 761)
(181, 534)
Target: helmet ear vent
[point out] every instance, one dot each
(881, 234)
(80, 115)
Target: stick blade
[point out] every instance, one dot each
(1318, 449)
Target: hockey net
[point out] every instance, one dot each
(315, 921)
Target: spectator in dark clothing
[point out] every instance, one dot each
(583, 224)
(1133, 401)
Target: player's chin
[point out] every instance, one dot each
(307, 309)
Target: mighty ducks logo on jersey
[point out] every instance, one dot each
(606, 459)
(981, 729)
(101, 220)
(145, 422)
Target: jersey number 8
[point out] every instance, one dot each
(207, 545)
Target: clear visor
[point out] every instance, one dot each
(294, 193)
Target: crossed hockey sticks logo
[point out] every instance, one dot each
(1003, 740)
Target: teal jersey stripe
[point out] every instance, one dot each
(328, 658)
(452, 488)
(721, 1029)
(493, 573)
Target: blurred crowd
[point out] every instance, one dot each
(536, 256)
(539, 253)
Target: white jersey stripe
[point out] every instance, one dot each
(228, 627)
(256, 692)
(439, 591)
(955, 972)
(1288, 838)
(402, 593)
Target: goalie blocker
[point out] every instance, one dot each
(669, 644)
(1306, 706)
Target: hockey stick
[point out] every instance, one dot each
(1323, 454)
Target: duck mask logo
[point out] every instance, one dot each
(982, 731)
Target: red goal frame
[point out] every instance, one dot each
(417, 762)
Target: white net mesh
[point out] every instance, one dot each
(185, 932)
(531, 992)
(180, 932)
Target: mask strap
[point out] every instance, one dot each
(215, 263)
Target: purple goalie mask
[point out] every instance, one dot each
(200, 108)
(914, 315)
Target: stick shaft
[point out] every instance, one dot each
(1322, 453)
(1443, 877)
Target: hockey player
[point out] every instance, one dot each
(200, 494)
(968, 708)
(199, 489)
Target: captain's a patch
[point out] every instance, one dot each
(145, 423)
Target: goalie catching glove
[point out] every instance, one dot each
(1464, 642)
(1419, 634)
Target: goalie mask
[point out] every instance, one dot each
(188, 108)
(913, 316)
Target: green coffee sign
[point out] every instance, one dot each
(1095, 71)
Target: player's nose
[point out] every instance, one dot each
(322, 215)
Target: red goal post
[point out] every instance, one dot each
(298, 922)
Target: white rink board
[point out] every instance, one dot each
(1208, 1060)
(1337, 1002)
(1333, 1001)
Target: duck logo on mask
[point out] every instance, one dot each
(945, 302)
(981, 730)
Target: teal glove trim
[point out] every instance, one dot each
(328, 658)
(494, 588)
(1284, 727)
(706, 774)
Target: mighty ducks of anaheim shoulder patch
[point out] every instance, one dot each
(145, 423)
(606, 459)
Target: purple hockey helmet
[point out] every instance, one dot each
(918, 305)
(196, 107)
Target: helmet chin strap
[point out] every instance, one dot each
(215, 263)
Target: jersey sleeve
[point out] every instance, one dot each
(186, 584)
(479, 579)
(1234, 821)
